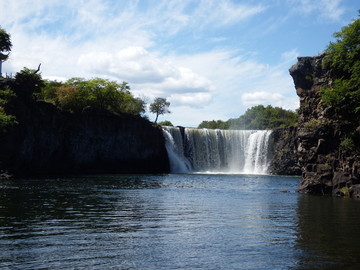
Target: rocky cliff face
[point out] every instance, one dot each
(49, 141)
(284, 160)
(328, 165)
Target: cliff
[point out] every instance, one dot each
(284, 157)
(329, 162)
(50, 141)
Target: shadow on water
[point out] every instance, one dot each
(34, 200)
(328, 233)
(70, 220)
(174, 222)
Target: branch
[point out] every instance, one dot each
(38, 69)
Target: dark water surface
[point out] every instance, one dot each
(174, 222)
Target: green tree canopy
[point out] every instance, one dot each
(257, 117)
(342, 60)
(166, 123)
(214, 124)
(159, 106)
(78, 94)
(261, 117)
(6, 120)
(5, 41)
(28, 82)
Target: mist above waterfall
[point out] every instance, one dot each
(217, 151)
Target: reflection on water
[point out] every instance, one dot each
(174, 222)
(329, 232)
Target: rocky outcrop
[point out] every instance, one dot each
(284, 160)
(330, 164)
(50, 141)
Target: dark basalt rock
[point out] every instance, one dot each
(50, 141)
(284, 159)
(326, 168)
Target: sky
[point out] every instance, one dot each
(212, 59)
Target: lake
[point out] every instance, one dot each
(176, 221)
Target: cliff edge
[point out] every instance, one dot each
(329, 161)
(47, 140)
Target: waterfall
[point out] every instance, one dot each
(226, 151)
(175, 149)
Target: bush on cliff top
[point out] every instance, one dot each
(342, 60)
(78, 95)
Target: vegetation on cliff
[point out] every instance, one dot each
(5, 41)
(6, 120)
(166, 123)
(76, 95)
(160, 106)
(329, 124)
(5, 93)
(214, 124)
(342, 60)
(257, 117)
(79, 95)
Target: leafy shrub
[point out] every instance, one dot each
(6, 120)
(347, 144)
(261, 117)
(214, 124)
(166, 123)
(78, 94)
(257, 117)
(27, 82)
(342, 60)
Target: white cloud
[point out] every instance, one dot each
(210, 58)
(234, 76)
(220, 13)
(257, 98)
(328, 9)
(266, 98)
(289, 57)
(190, 99)
(150, 74)
(132, 64)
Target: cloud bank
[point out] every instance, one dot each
(211, 59)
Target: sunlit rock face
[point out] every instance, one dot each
(50, 141)
(327, 168)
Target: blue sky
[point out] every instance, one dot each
(211, 59)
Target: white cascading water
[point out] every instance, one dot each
(227, 151)
(175, 149)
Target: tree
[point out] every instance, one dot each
(78, 95)
(214, 124)
(5, 47)
(342, 60)
(159, 106)
(261, 117)
(166, 123)
(5, 42)
(27, 82)
(72, 99)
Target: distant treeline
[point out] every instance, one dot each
(257, 117)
